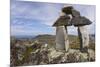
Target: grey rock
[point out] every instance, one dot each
(62, 21)
(80, 21)
(67, 10)
(71, 10)
(75, 13)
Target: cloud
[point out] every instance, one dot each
(22, 30)
(39, 11)
(38, 17)
(29, 27)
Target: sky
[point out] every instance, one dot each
(36, 18)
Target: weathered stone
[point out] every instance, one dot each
(67, 9)
(91, 55)
(63, 21)
(62, 42)
(44, 55)
(70, 10)
(66, 39)
(68, 57)
(80, 21)
(75, 13)
(83, 37)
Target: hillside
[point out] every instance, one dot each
(74, 41)
(50, 39)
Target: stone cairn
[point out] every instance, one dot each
(68, 17)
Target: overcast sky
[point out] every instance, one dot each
(34, 18)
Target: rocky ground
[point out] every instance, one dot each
(39, 54)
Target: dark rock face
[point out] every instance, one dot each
(63, 20)
(75, 13)
(67, 10)
(80, 21)
(71, 10)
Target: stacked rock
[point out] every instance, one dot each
(70, 16)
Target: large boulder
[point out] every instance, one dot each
(71, 56)
(80, 21)
(63, 21)
(67, 10)
(70, 10)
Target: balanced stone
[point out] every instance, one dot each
(80, 21)
(62, 42)
(83, 37)
(70, 10)
(63, 21)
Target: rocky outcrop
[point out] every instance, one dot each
(38, 54)
(69, 57)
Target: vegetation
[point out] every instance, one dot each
(34, 52)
